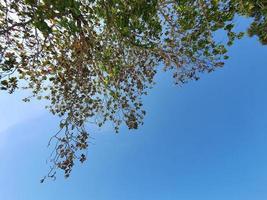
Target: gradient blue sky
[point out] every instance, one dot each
(206, 140)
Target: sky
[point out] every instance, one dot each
(206, 140)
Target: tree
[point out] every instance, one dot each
(93, 60)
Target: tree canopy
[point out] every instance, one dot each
(93, 60)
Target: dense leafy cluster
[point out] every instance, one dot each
(93, 60)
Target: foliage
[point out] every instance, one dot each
(93, 60)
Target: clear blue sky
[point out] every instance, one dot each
(206, 140)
